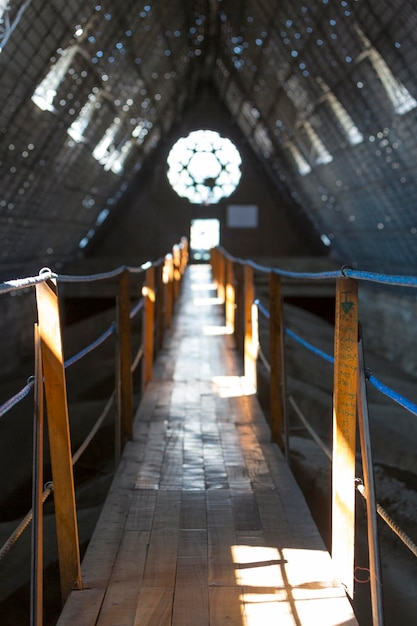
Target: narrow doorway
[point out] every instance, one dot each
(204, 235)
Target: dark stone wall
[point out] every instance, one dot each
(152, 216)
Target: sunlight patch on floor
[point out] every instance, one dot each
(286, 586)
(207, 301)
(204, 287)
(233, 386)
(217, 330)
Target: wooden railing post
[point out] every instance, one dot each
(344, 431)
(124, 420)
(230, 295)
(184, 254)
(221, 276)
(275, 357)
(214, 254)
(176, 257)
(239, 306)
(160, 304)
(168, 278)
(59, 436)
(148, 292)
(249, 347)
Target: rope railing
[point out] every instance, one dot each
(24, 392)
(343, 272)
(23, 283)
(46, 274)
(160, 278)
(384, 389)
(20, 529)
(407, 404)
(235, 282)
(23, 525)
(18, 397)
(158, 296)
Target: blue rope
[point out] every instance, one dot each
(347, 272)
(310, 275)
(309, 346)
(381, 387)
(22, 283)
(138, 307)
(4, 408)
(18, 397)
(390, 393)
(91, 347)
(62, 278)
(262, 309)
(398, 281)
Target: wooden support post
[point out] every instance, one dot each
(124, 421)
(239, 307)
(275, 357)
(249, 346)
(214, 253)
(148, 292)
(59, 437)
(176, 257)
(344, 431)
(169, 291)
(221, 276)
(230, 295)
(184, 254)
(160, 305)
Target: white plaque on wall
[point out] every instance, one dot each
(242, 216)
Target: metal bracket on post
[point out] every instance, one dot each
(371, 506)
(36, 579)
(59, 436)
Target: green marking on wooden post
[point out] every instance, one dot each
(344, 431)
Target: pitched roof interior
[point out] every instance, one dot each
(324, 92)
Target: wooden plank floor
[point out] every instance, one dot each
(204, 524)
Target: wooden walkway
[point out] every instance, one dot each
(204, 524)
